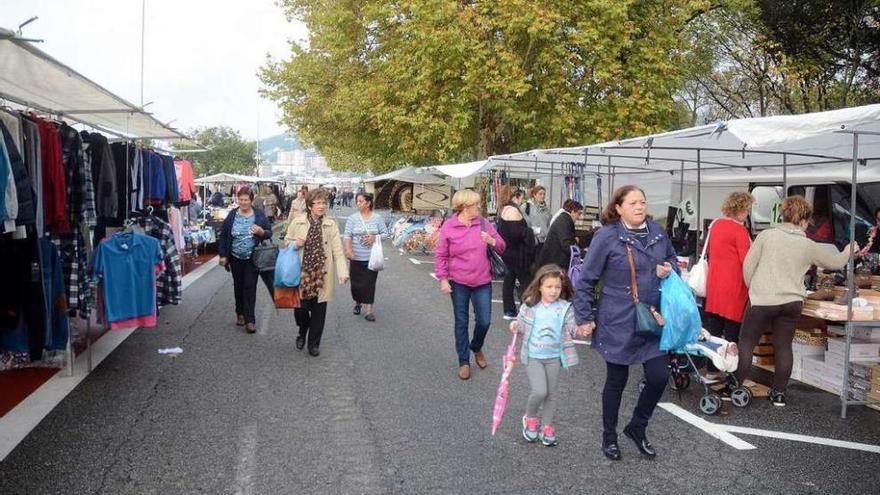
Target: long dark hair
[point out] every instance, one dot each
(610, 214)
(532, 294)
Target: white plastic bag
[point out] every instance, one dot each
(377, 256)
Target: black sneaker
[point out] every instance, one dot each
(777, 398)
(357, 309)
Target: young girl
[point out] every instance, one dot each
(547, 325)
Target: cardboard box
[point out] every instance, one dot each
(858, 348)
(867, 334)
(807, 350)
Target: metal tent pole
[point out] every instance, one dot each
(699, 194)
(850, 278)
(785, 175)
(551, 184)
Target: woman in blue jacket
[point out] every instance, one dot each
(626, 223)
(242, 230)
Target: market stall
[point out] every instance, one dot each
(841, 143)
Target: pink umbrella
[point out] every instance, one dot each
(507, 361)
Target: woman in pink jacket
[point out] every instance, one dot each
(462, 266)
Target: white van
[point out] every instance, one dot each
(828, 192)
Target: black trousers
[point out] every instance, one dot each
(244, 281)
(310, 317)
(513, 274)
(656, 377)
(720, 326)
(781, 320)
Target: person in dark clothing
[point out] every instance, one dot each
(560, 237)
(520, 252)
(217, 200)
(243, 229)
(627, 229)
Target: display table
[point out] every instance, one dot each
(842, 356)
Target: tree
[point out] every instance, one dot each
(227, 152)
(382, 84)
(760, 57)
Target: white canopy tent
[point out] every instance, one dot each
(31, 78)
(826, 146)
(224, 178)
(421, 175)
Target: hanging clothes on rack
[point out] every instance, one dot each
(126, 265)
(10, 196)
(104, 175)
(74, 262)
(185, 181)
(155, 185)
(32, 182)
(169, 284)
(80, 188)
(24, 187)
(54, 183)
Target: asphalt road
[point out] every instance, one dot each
(383, 411)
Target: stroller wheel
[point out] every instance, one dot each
(741, 396)
(680, 381)
(710, 404)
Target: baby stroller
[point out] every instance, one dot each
(724, 355)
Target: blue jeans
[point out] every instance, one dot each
(481, 298)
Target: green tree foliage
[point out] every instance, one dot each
(227, 152)
(766, 57)
(379, 84)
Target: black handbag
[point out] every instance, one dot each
(496, 264)
(264, 256)
(649, 321)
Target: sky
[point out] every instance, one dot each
(201, 56)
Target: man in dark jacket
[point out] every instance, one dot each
(560, 237)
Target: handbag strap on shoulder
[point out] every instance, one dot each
(632, 272)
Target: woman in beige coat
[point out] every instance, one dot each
(320, 247)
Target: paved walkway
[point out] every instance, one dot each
(382, 411)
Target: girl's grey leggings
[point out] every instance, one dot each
(544, 379)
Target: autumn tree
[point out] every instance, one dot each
(753, 58)
(226, 152)
(381, 84)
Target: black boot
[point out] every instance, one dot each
(612, 451)
(300, 342)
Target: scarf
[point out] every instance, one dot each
(314, 261)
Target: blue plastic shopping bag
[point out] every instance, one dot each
(679, 309)
(288, 267)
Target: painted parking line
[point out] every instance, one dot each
(420, 262)
(710, 428)
(725, 433)
(434, 276)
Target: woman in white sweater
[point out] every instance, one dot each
(774, 270)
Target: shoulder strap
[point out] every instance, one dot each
(706, 244)
(632, 271)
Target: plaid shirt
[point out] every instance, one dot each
(169, 283)
(78, 172)
(74, 268)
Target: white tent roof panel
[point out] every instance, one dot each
(32, 78)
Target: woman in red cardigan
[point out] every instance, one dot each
(726, 291)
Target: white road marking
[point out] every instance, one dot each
(710, 428)
(725, 433)
(247, 459)
(875, 449)
(420, 262)
(19, 422)
(434, 276)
